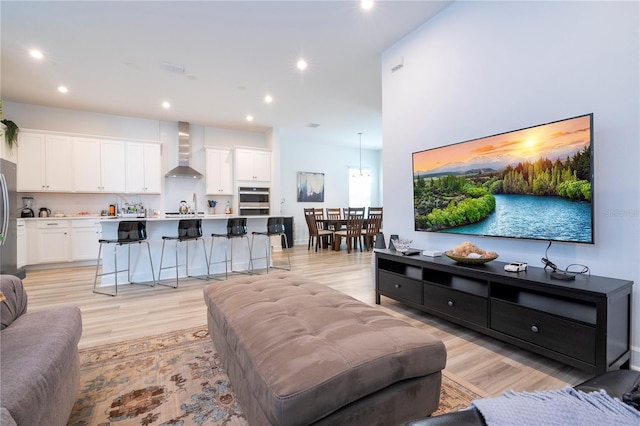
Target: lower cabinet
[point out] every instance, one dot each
(21, 243)
(584, 323)
(84, 239)
(60, 240)
(53, 241)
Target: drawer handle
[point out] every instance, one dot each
(450, 303)
(397, 286)
(534, 328)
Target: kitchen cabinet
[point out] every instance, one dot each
(44, 163)
(143, 174)
(53, 241)
(21, 243)
(253, 165)
(85, 234)
(99, 165)
(219, 173)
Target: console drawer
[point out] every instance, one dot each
(457, 304)
(558, 334)
(399, 287)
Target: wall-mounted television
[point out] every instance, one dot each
(533, 183)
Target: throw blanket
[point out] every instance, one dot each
(563, 407)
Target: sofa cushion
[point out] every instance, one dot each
(309, 350)
(36, 353)
(15, 300)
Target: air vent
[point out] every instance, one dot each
(175, 68)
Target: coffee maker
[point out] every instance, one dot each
(27, 211)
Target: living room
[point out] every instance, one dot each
(481, 68)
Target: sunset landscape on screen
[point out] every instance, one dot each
(554, 141)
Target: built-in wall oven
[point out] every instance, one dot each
(253, 201)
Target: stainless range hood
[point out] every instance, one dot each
(184, 170)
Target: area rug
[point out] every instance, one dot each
(177, 379)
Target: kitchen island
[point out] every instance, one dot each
(158, 227)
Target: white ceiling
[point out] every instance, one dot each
(111, 55)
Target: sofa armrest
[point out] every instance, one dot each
(15, 300)
(5, 418)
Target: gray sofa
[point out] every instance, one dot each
(39, 360)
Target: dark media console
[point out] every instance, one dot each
(584, 323)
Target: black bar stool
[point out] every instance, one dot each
(236, 228)
(188, 230)
(275, 227)
(129, 232)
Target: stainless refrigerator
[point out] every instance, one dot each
(8, 215)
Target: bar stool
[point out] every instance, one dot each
(188, 230)
(129, 232)
(236, 228)
(275, 226)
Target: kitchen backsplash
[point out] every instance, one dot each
(174, 191)
(71, 204)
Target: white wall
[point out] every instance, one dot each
(482, 68)
(332, 160)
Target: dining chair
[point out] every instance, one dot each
(353, 232)
(374, 210)
(316, 229)
(356, 211)
(333, 213)
(371, 229)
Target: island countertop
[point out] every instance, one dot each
(157, 227)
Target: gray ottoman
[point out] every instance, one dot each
(301, 353)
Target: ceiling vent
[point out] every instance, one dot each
(184, 170)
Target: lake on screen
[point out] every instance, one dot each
(530, 216)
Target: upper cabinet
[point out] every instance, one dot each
(99, 165)
(253, 165)
(44, 163)
(50, 161)
(219, 173)
(143, 168)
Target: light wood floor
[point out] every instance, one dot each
(479, 361)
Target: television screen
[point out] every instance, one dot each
(531, 183)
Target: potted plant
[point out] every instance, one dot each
(11, 133)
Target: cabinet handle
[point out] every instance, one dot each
(397, 286)
(450, 303)
(534, 328)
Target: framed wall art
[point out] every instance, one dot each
(310, 187)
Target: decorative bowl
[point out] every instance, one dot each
(402, 245)
(469, 260)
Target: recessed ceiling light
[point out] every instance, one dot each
(166, 105)
(302, 64)
(63, 89)
(366, 4)
(249, 117)
(268, 99)
(37, 54)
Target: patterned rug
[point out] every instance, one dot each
(177, 379)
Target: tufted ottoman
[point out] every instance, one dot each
(299, 353)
